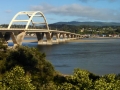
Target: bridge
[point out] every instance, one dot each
(44, 36)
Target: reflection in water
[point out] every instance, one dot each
(100, 56)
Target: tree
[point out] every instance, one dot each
(81, 79)
(33, 62)
(107, 82)
(3, 54)
(3, 45)
(16, 79)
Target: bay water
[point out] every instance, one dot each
(98, 55)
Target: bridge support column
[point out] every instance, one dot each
(75, 36)
(17, 39)
(68, 36)
(63, 38)
(14, 39)
(48, 37)
(56, 38)
(40, 37)
(72, 37)
(78, 37)
(42, 40)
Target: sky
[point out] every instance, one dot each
(63, 10)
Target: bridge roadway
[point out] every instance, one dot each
(44, 36)
(61, 36)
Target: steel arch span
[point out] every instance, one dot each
(31, 15)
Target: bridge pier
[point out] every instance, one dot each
(68, 37)
(40, 37)
(17, 39)
(72, 36)
(75, 37)
(55, 39)
(48, 37)
(62, 37)
(42, 40)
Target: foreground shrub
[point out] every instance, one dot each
(84, 80)
(33, 62)
(81, 79)
(67, 86)
(16, 79)
(107, 82)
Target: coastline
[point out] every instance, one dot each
(26, 41)
(79, 40)
(76, 40)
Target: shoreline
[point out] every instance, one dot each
(26, 41)
(76, 40)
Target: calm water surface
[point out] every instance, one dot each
(99, 56)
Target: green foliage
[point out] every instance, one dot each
(3, 54)
(16, 79)
(107, 82)
(84, 80)
(67, 86)
(33, 62)
(3, 46)
(49, 86)
(81, 79)
(58, 79)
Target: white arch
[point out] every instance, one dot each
(30, 14)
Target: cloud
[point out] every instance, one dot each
(8, 11)
(79, 11)
(97, 0)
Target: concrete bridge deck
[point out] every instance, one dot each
(32, 30)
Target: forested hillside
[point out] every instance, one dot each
(89, 23)
(75, 27)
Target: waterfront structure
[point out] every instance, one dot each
(17, 34)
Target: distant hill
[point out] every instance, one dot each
(89, 23)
